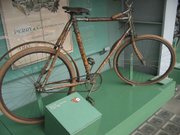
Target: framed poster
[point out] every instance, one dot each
(34, 20)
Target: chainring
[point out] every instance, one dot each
(94, 83)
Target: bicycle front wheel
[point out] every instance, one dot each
(157, 53)
(19, 98)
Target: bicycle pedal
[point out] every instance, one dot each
(91, 61)
(90, 100)
(44, 72)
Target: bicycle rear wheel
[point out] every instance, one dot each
(19, 99)
(156, 53)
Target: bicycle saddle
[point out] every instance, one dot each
(76, 10)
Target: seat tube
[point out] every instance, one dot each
(81, 47)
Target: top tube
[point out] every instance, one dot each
(100, 19)
(126, 15)
(117, 17)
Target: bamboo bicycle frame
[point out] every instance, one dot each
(73, 22)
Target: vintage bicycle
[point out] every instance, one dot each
(135, 62)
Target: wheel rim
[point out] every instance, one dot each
(25, 108)
(133, 71)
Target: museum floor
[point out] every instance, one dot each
(123, 109)
(166, 121)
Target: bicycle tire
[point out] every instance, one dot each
(128, 67)
(8, 103)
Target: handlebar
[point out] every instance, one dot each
(127, 3)
(125, 13)
(119, 15)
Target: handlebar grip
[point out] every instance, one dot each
(117, 15)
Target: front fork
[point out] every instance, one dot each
(137, 52)
(132, 35)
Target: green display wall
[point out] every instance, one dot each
(95, 36)
(99, 35)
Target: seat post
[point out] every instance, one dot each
(80, 45)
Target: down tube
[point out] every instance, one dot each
(116, 45)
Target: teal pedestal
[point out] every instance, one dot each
(175, 74)
(72, 115)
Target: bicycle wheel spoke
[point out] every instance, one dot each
(20, 92)
(17, 100)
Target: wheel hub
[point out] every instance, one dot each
(38, 87)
